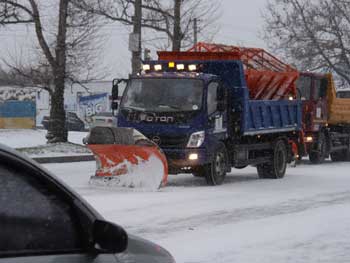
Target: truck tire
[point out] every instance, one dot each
(318, 151)
(341, 156)
(215, 172)
(277, 167)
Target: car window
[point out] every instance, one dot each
(211, 99)
(33, 219)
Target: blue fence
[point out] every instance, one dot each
(17, 109)
(17, 114)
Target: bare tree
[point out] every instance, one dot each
(65, 51)
(313, 34)
(174, 18)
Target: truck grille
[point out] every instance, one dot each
(175, 141)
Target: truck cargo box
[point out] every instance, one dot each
(339, 108)
(264, 116)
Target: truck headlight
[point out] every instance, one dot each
(196, 139)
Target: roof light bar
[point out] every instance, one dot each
(146, 67)
(171, 64)
(158, 67)
(180, 67)
(192, 67)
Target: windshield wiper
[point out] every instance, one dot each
(134, 108)
(169, 106)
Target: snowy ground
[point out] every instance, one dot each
(18, 138)
(304, 217)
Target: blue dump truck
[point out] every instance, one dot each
(216, 107)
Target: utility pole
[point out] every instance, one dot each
(135, 38)
(195, 32)
(177, 26)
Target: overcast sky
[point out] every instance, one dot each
(239, 23)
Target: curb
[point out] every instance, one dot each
(65, 159)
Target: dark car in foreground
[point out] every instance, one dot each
(43, 220)
(73, 122)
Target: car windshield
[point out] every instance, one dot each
(163, 95)
(343, 94)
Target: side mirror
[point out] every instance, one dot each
(221, 106)
(115, 105)
(109, 237)
(220, 93)
(221, 98)
(115, 94)
(115, 89)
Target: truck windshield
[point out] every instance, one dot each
(343, 94)
(163, 95)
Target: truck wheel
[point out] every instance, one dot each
(216, 172)
(277, 167)
(341, 156)
(317, 154)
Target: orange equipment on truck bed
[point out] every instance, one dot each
(267, 77)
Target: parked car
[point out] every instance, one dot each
(43, 220)
(105, 119)
(73, 122)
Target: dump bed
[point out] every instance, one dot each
(261, 117)
(339, 108)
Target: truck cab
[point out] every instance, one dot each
(185, 113)
(312, 90)
(325, 115)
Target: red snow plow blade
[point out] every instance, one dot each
(124, 157)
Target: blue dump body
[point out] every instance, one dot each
(261, 117)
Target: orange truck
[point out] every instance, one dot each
(326, 118)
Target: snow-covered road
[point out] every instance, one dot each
(304, 217)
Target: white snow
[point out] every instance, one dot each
(146, 175)
(304, 217)
(55, 150)
(19, 138)
(20, 94)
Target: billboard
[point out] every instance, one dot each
(92, 104)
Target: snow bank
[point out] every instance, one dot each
(55, 149)
(20, 94)
(19, 138)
